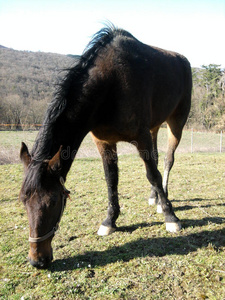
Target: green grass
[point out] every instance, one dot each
(139, 261)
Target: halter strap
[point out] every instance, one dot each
(56, 227)
(44, 237)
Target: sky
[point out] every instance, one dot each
(194, 28)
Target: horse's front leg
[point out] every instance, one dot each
(109, 157)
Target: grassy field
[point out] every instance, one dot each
(139, 261)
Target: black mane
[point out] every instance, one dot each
(70, 85)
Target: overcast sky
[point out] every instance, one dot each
(194, 28)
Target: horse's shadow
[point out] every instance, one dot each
(202, 206)
(199, 200)
(157, 246)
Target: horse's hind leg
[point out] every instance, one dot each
(153, 199)
(144, 145)
(109, 157)
(174, 137)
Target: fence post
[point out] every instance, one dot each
(221, 140)
(192, 140)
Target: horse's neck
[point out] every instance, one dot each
(66, 129)
(51, 137)
(69, 152)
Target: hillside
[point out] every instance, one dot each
(28, 79)
(30, 74)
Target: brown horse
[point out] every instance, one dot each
(121, 90)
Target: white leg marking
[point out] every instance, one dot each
(104, 230)
(173, 227)
(165, 179)
(152, 201)
(159, 209)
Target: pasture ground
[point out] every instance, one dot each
(139, 261)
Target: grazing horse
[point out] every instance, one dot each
(119, 90)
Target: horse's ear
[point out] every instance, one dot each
(25, 155)
(54, 164)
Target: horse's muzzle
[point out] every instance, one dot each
(42, 262)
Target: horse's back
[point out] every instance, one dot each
(141, 85)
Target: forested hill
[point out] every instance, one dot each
(27, 84)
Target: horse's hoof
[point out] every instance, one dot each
(173, 226)
(105, 230)
(152, 201)
(159, 209)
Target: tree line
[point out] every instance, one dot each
(28, 79)
(208, 98)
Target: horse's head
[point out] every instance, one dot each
(44, 196)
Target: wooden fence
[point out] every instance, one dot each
(19, 126)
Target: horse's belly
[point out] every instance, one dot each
(115, 134)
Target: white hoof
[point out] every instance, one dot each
(104, 230)
(173, 227)
(159, 209)
(152, 201)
